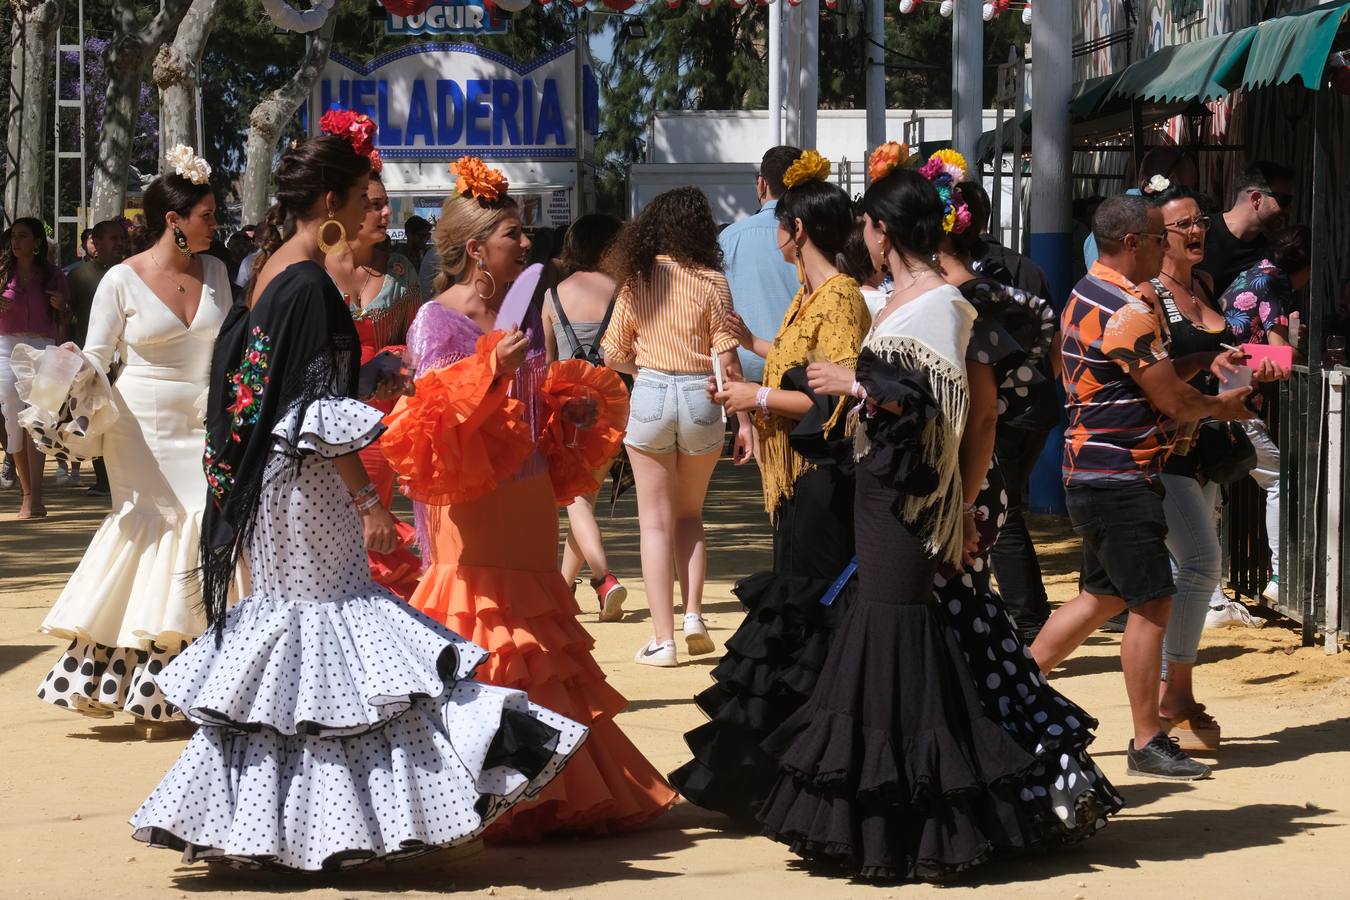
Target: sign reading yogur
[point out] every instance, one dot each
(440, 101)
(449, 17)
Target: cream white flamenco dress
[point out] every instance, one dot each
(132, 605)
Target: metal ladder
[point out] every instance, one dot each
(77, 221)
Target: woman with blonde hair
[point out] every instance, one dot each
(487, 449)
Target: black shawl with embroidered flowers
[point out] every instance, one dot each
(295, 346)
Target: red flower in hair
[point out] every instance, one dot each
(356, 128)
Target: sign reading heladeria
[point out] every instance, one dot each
(440, 101)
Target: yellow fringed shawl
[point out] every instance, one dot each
(829, 324)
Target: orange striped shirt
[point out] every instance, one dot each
(673, 322)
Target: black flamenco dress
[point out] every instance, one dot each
(774, 658)
(903, 764)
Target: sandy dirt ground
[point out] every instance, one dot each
(1273, 822)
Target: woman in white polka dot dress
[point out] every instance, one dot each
(338, 724)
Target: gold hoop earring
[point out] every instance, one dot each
(482, 270)
(330, 247)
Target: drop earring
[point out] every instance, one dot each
(801, 268)
(482, 270)
(180, 241)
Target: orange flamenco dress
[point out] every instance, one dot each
(465, 448)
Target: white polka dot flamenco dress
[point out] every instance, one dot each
(338, 724)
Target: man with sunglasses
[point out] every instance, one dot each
(1123, 394)
(1263, 199)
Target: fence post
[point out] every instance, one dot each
(1335, 494)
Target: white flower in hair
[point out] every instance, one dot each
(1157, 184)
(187, 164)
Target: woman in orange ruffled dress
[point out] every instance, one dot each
(493, 440)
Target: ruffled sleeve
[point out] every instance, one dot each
(71, 428)
(459, 435)
(895, 451)
(596, 394)
(329, 427)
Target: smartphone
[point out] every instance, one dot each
(383, 367)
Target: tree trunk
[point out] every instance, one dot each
(126, 58)
(176, 69)
(271, 115)
(33, 41)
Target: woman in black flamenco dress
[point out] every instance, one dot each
(902, 765)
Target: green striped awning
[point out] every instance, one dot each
(1204, 69)
(1277, 51)
(1293, 47)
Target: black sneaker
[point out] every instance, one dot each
(1115, 624)
(1163, 758)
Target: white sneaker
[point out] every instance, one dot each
(657, 653)
(1234, 615)
(696, 639)
(1272, 589)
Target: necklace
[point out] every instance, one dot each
(165, 270)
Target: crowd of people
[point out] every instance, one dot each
(884, 708)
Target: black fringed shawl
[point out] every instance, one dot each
(295, 346)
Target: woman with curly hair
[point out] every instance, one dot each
(669, 322)
(479, 448)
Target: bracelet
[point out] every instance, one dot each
(364, 492)
(368, 503)
(858, 391)
(762, 400)
(971, 509)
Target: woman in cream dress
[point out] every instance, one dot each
(131, 607)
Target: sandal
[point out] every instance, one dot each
(1196, 731)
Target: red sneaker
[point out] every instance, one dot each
(611, 595)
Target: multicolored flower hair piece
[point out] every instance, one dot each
(356, 128)
(945, 169)
(810, 166)
(479, 181)
(886, 159)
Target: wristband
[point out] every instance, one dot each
(368, 503)
(762, 400)
(364, 492)
(858, 391)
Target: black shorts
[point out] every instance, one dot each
(1124, 534)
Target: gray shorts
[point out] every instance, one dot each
(672, 412)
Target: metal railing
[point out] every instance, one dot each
(1311, 425)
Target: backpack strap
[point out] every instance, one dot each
(564, 321)
(609, 314)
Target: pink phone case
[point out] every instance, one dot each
(1280, 356)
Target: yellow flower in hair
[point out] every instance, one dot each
(949, 220)
(952, 158)
(810, 166)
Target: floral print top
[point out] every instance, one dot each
(1256, 302)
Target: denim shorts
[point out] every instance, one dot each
(669, 412)
(1124, 532)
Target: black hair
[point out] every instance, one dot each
(1173, 193)
(586, 241)
(855, 260)
(1261, 176)
(825, 212)
(100, 231)
(166, 194)
(970, 243)
(86, 235)
(774, 166)
(910, 208)
(417, 223)
(307, 171)
(1291, 249)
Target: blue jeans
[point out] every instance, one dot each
(1193, 544)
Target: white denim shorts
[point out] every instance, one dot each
(670, 412)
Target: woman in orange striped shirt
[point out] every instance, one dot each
(669, 322)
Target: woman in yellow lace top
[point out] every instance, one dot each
(770, 664)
